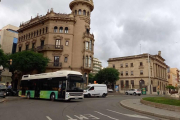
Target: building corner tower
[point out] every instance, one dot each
(83, 41)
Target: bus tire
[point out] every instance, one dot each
(28, 95)
(52, 97)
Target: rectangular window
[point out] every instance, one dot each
(19, 49)
(56, 60)
(132, 73)
(90, 45)
(132, 65)
(126, 73)
(87, 45)
(127, 83)
(154, 89)
(114, 66)
(126, 64)
(42, 43)
(67, 43)
(27, 47)
(33, 45)
(141, 63)
(65, 59)
(121, 73)
(58, 43)
(122, 84)
(132, 83)
(121, 65)
(141, 72)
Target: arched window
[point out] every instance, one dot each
(141, 83)
(75, 12)
(87, 30)
(55, 29)
(66, 29)
(61, 29)
(79, 12)
(37, 32)
(86, 61)
(43, 30)
(84, 12)
(40, 32)
(90, 61)
(87, 13)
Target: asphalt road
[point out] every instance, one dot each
(87, 109)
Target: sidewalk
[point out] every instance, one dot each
(2, 100)
(134, 104)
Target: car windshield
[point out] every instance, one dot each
(87, 88)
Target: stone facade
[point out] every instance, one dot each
(64, 38)
(173, 77)
(97, 65)
(8, 42)
(136, 72)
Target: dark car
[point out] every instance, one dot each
(3, 93)
(11, 92)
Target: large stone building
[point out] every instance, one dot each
(64, 38)
(173, 77)
(97, 65)
(136, 72)
(8, 42)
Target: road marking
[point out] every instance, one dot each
(70, 118)
(48, 118)
(135, 116)
(81, 117)
(106, 115)
(92, 116)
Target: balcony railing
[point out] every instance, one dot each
(49, 47)
(89, 35)
(54, 65)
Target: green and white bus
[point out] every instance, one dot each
(59, 85)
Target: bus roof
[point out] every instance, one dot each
(62, 73)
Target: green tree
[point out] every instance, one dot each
(91, 78)
(3, 58)
(107, 75)
(27, 62)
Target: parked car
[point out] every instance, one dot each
(11, 92)
(96, 90)
(3, 93)
(110, 90)
(133, 92)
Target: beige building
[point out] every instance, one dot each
(97, 65)
(64, 38)
(173, 77)
(136, 72)
(8, 42)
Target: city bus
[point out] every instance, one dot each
(59, 85)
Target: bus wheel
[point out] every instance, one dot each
(52, 97)
(28, 96)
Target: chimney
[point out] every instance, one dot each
(159, 53)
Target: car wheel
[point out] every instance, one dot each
(4, 96)
(28, 96)
(134, 94)
(126, 93)
(52, 97)
(139, 94)
(104, 95)
(89, 95)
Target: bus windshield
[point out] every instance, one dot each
(74, 84)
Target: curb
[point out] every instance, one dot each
(148, 113)
(1, 101)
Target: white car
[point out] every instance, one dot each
(133, 92)
(110, 90)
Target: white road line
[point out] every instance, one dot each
(70, 118)
(48, 118)
(106, 115)
(81, 117)
(134, 116)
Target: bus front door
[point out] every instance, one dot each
(61, 91)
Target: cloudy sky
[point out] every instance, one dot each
(120, 26)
